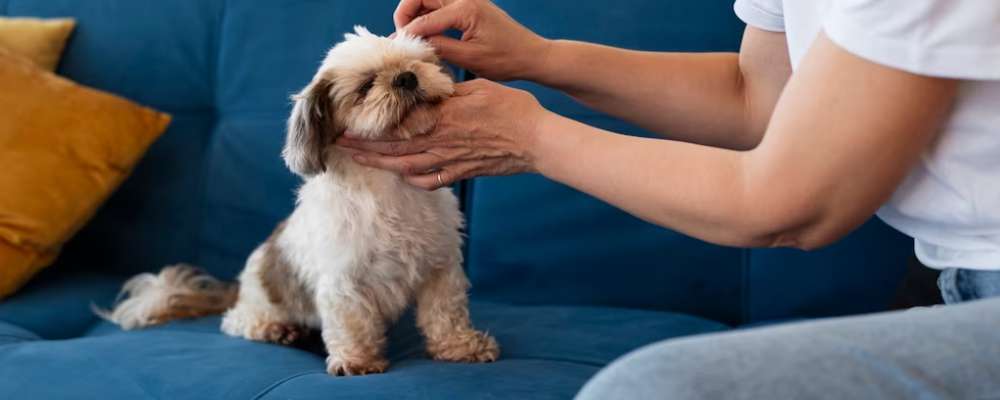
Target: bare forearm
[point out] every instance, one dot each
(693, 97)
(694, 189)
(817, 174)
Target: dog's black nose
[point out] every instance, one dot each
(406, 80)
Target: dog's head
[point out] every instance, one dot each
(368, 86)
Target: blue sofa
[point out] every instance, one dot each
(565, 283)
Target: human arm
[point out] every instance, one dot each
(715, 99)
(718, 99)
(844, 133)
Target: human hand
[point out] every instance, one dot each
(493, 45)
(484, 129)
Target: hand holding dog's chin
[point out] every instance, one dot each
(486, 129)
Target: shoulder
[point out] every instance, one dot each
(950, 39)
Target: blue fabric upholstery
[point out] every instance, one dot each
(564, 247)
(548, 264)
(856, 275)
(549, 352)
(10, 333)
(56, 304)
(214, 185)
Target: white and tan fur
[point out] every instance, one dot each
(361, 245)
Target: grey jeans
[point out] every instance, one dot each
(946, 352)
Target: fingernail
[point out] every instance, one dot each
(360, 158)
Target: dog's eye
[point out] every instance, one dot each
(363, 90)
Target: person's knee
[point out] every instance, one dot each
(714, 366)
(662, 370)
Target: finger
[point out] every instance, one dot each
(349, 151)
(413, 164)
(450, 49)
(448, 175)
(407, 10)
(452, 16)
(468, 87)
(386, 147)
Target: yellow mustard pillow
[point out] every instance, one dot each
(63, 149)
(39, 40)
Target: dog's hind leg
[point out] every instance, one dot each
(272, 303)
(443, 317)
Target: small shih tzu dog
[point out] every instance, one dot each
(361, 244)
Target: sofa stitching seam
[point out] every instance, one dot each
(275, 385)
(745, 286)
(11, 323)
(595, 364)
(465, 203)
(210, 139)
(17, 339)
(8, 335)
(218, 50)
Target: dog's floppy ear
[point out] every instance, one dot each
(310, 129)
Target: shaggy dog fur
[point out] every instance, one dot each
(361, 244)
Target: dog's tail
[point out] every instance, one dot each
(178, 291)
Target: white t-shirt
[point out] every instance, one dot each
(950, 202)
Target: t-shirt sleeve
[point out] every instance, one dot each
(945, 38)
(763, 14)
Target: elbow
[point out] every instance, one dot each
(806, 229)
(778, 211)
(818, 238)
(805, 240)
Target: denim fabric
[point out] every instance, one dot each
(214, 185)
(958, 284)
(948, 352)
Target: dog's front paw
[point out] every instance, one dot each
(341, 367)
(469, 346)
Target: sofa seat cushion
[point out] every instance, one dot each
(548, 352)
(56, 303)
(10, 333)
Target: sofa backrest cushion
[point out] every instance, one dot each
(214, 185)
(534, 241)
